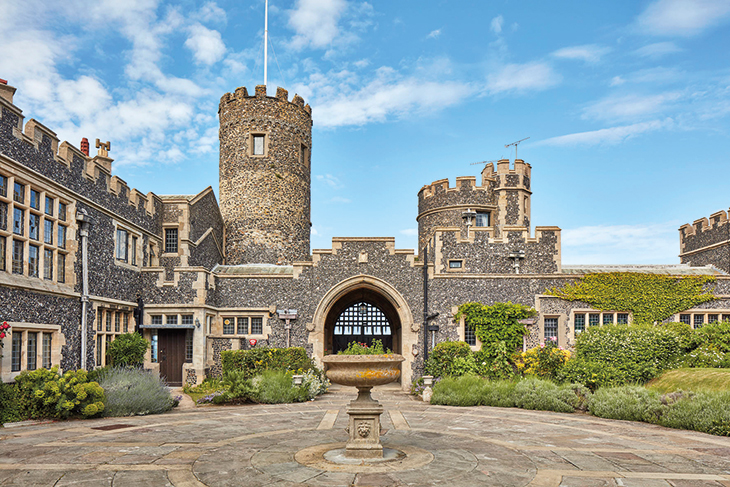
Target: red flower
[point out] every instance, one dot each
(2, 334)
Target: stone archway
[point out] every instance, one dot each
(374, 291)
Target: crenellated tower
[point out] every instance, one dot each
(512, 191)
(265, 176)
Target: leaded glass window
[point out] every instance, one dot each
(242, 325)
(551, 329)
(18, 221)
(699, 321)
(35, 199)
(257, 326)
(17, 257)
(32, 356)
(48, 264)
(622, 318)
(608, 318)
(228, 328)
(594, 319)
(171, 240)
(33, 261)
(258, 145)
(362, 318)
(48, 232)
(19, 193)
(47, 347)
(580, 323)
(470, 336)
(17, 351)
(482, 219)
(61, 267)
(34, 225)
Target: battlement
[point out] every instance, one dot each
(241, 95)
(702, 225)
(46, 142)
(442, 186)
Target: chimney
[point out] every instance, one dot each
(85, 146)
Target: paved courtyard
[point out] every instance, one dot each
(261, 445)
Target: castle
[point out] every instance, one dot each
(84, 258)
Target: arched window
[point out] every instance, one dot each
(362, 322)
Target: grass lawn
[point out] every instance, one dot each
(692, 380)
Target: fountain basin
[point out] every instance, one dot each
(363, 370)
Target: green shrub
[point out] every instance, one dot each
(704, 411)
(685, 334)
(256, 360)
(459, 391)
(704, 356)
(499, 393)
(132, 391)
(497, 323)
(631, 403)
(640, 352)
(315, 383)
(591, 374)
(714, 335)
(44, 393)
(543, 361)
(544, 395)
(442, 361)
(275, 387)
(127, 350)
(9, 407)
(237, 386)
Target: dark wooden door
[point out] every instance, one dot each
(171, 344)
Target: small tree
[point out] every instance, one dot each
(497, 323)
(128, 350)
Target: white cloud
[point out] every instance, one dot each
(620, 244)
(630, 107)
(340, 199)
(409, 231)
(658, 49)
(535, 76)
(384, 97)
(315, 22)
(434, 34)
(329, 180)
(362, 63)
(589, 53)
(211, 12)
(608, 136)
(617, 81)
(496, 24)
(683, 17)
(206, 44)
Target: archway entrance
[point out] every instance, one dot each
(362, 315)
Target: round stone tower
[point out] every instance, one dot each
(265, 176)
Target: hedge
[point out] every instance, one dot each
(256, 360)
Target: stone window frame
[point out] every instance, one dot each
(723, 314)
(460, 268)
(131, 236)
(590, 311)
(254, 133)
(165, 228)
(217, 325)
(23, 203)
(489, 219)
(543, 328)
(304, 154)
(22, 328)
(102, 336)
(461, 329)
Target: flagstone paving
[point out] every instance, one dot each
(282, 445)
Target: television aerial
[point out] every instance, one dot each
(515, 144)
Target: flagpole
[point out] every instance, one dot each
(266, 41)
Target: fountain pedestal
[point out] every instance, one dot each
(363, 372)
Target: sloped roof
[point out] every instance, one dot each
(668, 269)
(253, 269)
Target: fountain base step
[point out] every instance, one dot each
(341, 456)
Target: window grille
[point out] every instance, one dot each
(608, 318)
(712, 318)
(362, 318)
(171, 240)
(725, 317)
(482, 219)
(48, 232)
(3, 186)
(99, 344)
(470, 336)
(156, 319)
(699, 321)
(62, 211)
(33, 261)
(48, 264)
(18, 221)
(242, 325)
(19, 193)
(17, 257)
(62, 236)
(171, 319)
(107, 341)
(49, 206)
(61, 272)
(47, 347)
(189, 346)
(126, 323)
(134, 251)
(685, 319)
(17, 351)
(117, 322)
(579, 323)
(551, 329)
(187, 319)
(228, 328)
(622, 318)
(257, 326)
(35, 199)
(32, 350)
(108, 321)
(454, 264)
(2, 253)
(3, 215)
(594, 319)
(99, 319)
(122, 244)
(34, 225)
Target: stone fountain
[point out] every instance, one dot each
(363, 372)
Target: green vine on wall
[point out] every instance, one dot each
(497, 323)
(650, 297)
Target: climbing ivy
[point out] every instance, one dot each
(650, 297)
(495, 324)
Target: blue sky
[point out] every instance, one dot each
(626, 103)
